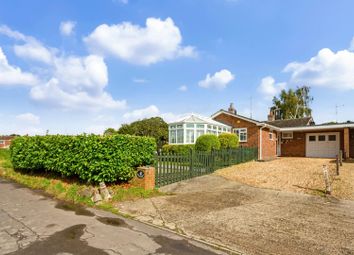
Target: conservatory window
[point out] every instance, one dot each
(179, 135)
(190, 125)
(190, 136)
(173, 136)
(200, 126)
(241, 133)
(199, 133)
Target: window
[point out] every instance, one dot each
(190, 125)
(199, 133)
(322, 138)
(241, 133)
(190, 136)
(271, 135)
(2, 142)
(312, 138)
(201, 126)
(173, 136)
(332, 138)
(287, 135)
(179, 135)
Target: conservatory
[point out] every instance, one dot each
(188, 129)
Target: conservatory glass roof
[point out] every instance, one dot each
(193, 118)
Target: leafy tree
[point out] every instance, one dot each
(153, 127)
(293, 104)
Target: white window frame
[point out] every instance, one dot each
(283, 136)
(238, 131)
(271, 134)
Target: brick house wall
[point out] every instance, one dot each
(269, 150)
(234, 122)
(269, 147)
(351, 143)
(6, 144)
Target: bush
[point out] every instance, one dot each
(207, 143)
(177, 148)
(90, 157)
(228, 140)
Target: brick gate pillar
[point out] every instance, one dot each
(145, 177)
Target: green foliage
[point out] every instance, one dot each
(207, 142)
(154, 127)
(178, 148)
(293, 104)
(228, 140)
(92, 158)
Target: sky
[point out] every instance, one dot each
(80, 66)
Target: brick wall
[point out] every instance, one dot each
(269, 147)
(6, 144)
(351, 143)
(148, 181)
(234, 122)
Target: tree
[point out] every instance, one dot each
(154, 127)
(293, 104)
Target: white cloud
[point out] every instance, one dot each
(326, 69)
(28, 118)
(72, 82)
(150, 111)
(269, 88)
(31, 49)
(12, 75)
(54, 93)
(159, 40)
(66, 28)
(183, 88)
(34, 50)
(219, 80)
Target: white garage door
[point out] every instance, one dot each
(322, 145)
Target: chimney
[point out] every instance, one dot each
(232, 109)
(271, 116)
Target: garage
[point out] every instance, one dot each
(322, 145)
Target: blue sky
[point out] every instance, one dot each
(82, 66)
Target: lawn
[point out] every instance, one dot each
(303, 175)
(70, 189)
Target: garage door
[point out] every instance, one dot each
(322, 145)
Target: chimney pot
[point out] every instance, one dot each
(271, 116)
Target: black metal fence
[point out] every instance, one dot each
(172, 168)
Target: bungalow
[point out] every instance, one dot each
(5, 141)
(289, 138)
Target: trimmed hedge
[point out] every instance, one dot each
(177, 148)
(92, 158)
(228, 140)
(207, 142)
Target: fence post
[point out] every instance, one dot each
(326, 179)
(337, 164)
(341, 158)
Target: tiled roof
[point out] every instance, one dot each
(6, 137)
(291, 122)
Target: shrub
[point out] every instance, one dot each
(177, 148)
(90, 157)
(228, 140)
(207, 143)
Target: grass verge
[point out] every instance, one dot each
(71, 190)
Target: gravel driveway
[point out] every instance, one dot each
(251, 220)
(303, 175)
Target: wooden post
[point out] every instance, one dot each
(326, 179)
(341, 158)
(337, 165)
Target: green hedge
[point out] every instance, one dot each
(207, 142)
(177, 148)
(228, 140)
(92, 158)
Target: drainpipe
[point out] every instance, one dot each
(260, 142)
